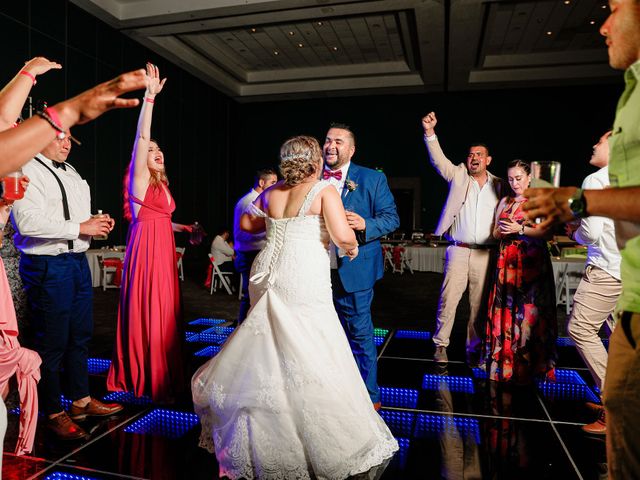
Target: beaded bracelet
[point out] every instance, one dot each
(50, 115)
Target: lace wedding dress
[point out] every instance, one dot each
(284, 399)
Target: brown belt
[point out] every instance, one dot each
(473, 246)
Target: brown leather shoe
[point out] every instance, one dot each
(377, 406)
(599, 427)
(65, 428)
(95, 408)
(594, 408)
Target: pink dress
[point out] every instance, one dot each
(148, 359)
(24, 363)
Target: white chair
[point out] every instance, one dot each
(240, 295)
(180, 255)
(405, 261)
(107, 271)
(219, 277)
(571, 282)
(387, 252)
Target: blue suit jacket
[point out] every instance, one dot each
(373, 201)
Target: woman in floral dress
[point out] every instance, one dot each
(520, 341)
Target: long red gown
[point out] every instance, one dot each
(148, 359)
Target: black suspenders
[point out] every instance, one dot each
(65, 202)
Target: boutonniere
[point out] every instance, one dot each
(351, 185)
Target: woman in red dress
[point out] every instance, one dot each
(148, 358)
(520, 341)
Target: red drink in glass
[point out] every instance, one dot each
(13, 189)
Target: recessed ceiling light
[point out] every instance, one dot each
(335, 49)
(567, 2)
(292, 33)
(592, 22)
(549, 33)
(603, 6)
(319, 24)
(276, 52)
(254, 30)
(300, 45)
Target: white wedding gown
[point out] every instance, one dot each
(284, 398)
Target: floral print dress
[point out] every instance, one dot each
(520, 341)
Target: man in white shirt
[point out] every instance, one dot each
(55, 226)
(598, 292)
(247, 245)
(467, 221)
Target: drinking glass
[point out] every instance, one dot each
(12, 186)
(100, 237)
(545, 174)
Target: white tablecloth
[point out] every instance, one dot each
(426, 259)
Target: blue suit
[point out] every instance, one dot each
(354, 280)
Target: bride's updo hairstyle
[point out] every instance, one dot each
(299, 159)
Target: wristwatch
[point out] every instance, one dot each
(578, 204)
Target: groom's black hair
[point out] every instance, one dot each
(344, 126)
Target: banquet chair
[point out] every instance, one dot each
(219, 277)
(388, 257)
(108, 270)
(571, 282)
(240, 295)
(180, 254)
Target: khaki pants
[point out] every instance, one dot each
(622, 399)
(463, 266)
(593, 303)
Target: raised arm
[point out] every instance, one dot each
(15, 93)
(440, 162)
(139, 170)
(21, 144)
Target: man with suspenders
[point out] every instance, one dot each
(55, 227)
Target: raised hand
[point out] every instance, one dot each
(39, 65)
(101, 98)
(154, 84)
(429, 122)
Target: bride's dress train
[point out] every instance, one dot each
(284, 398)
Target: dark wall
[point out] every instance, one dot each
(192, 120)
(534, 124)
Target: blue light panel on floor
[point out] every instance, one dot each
(165, 423)
(219, 330)
(403, 451)
(67, 476)
(399, 397)
(378, 340)
(479, 372)
(413, 334)
(569, 376)
(400, 423)
(207, 321)
(564, 342)
(208, 351)
(98, 366)
(427, 424)
(567, 391)
(453, 383)
(202, 337)
(128, 398)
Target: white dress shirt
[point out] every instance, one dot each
(598, 233)
(475, 221)
(245, 241)
(339, 184)
(221, 251)
(39, 216)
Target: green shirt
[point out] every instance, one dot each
(624, 171)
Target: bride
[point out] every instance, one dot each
(284, 398)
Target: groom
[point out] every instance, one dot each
(371, 212)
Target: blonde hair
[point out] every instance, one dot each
(299, 158)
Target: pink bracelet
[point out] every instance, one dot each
(33, 79)
(54, 120)
(150, 100)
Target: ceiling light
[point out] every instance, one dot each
(335, 49)
(276, 52)
(592, 22)
(567, 2)
(254, 30)
(300, 45)
(291, 34)
(603, 6)
(549, 33)
(319, 24)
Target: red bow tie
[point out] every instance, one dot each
(327, 174)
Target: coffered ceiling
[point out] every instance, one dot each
(266, 49)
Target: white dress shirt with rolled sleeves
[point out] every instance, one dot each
(598, 233)
(245, 241)
(221, 251)
(474, 223)
(39, 216)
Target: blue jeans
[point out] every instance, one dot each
(354, 311)
(60, 299)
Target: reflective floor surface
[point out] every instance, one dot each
(450, 422)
